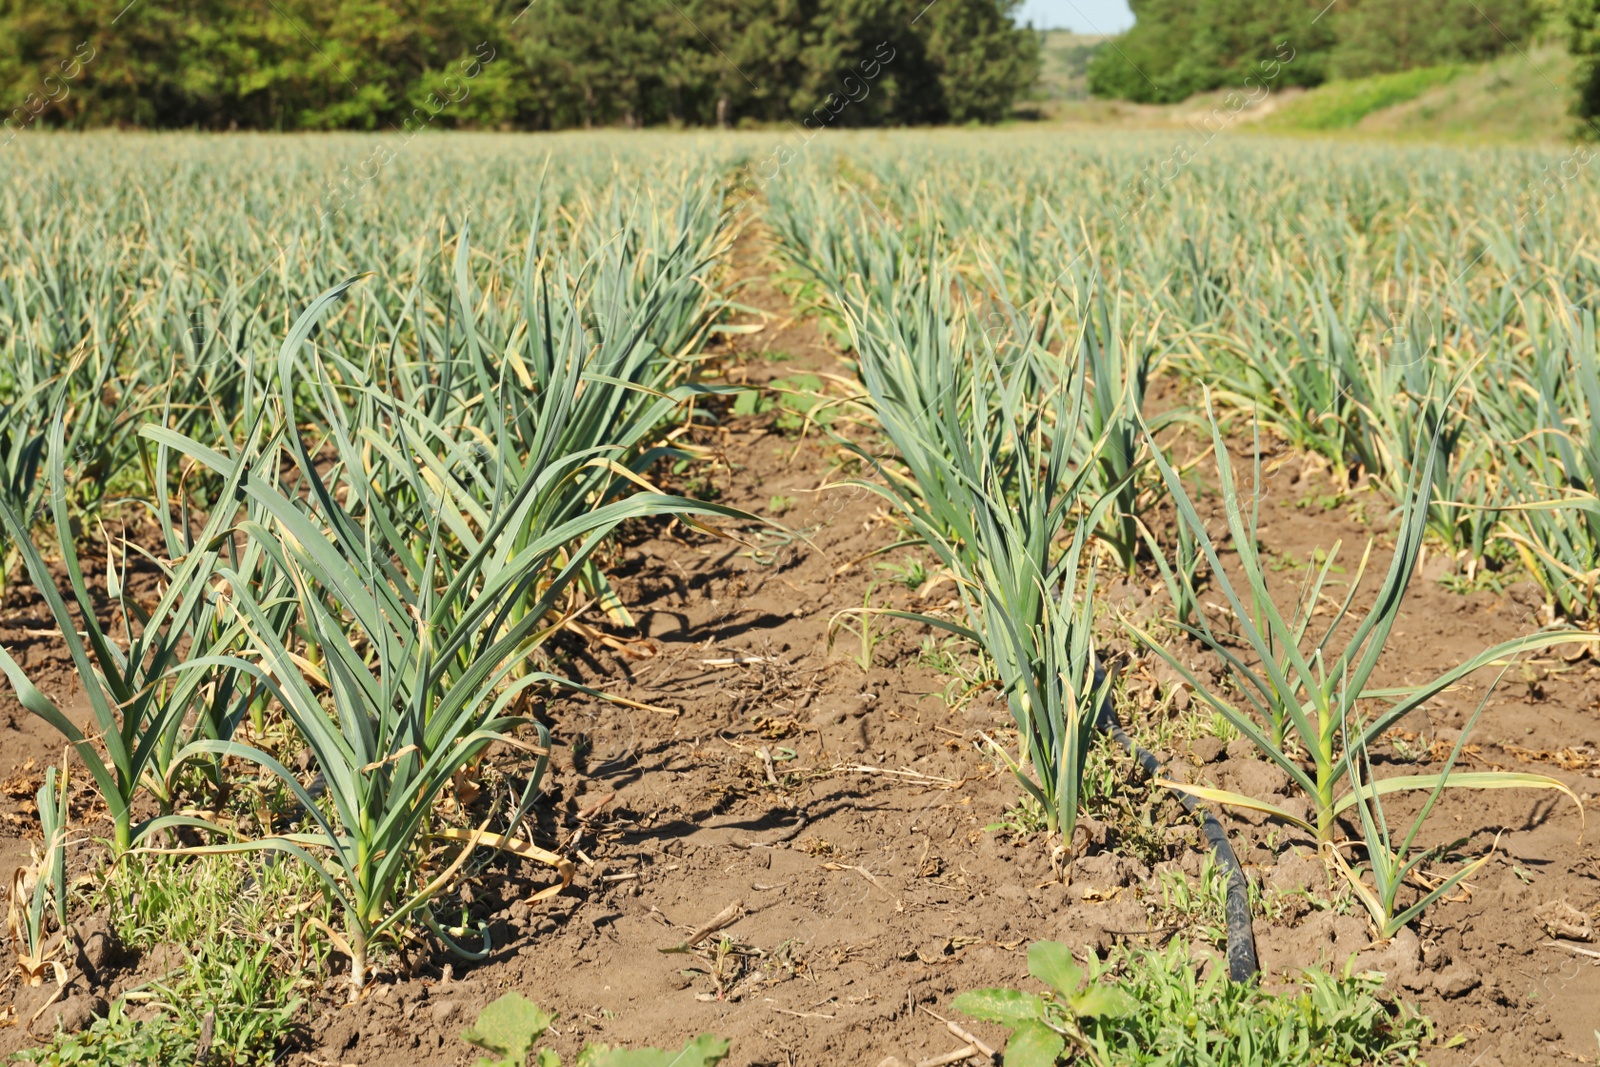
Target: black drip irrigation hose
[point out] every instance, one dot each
(1242, 964)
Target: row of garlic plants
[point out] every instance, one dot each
(375, 497)
(1015, 418)
(1337, 293)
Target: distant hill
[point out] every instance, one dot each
(1515, 97)
(1064, 59)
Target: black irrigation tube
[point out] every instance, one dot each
(1242, 964)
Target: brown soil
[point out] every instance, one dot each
(27, 744)
(856, 858)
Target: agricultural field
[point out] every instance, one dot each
(913, 598)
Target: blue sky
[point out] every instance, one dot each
(1084, 16)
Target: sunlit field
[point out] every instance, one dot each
(849, 597)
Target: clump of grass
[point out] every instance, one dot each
(511, 1027)
(1144, 1007)
(120, 1040)
(248, 955)
(1339, 105)
(798, 399)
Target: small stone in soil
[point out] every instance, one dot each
(1457, 981)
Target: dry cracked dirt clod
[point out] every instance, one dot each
(1561, 919)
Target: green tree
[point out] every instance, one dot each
(1180, 47)
(1383, 36)
(1236, 36)
(265, 64)
(1583, 40)
(982, 57)
(413, 64)
(748, 57)
(866, 64)
(593, 62)
(1155, 62)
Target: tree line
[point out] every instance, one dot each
(549, 64)
(1177, 48)
(1583, 41)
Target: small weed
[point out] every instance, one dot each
(512, 1025)
(699, 480)
(244, 964)
(769, 546)
(1042, 1026)
(778, 505)
(798, 400)
(1490, 574)
(861, 625)
(911, 573)
(816, 846)
(951, 656)
(1023, 819)
(1484, 581)
(1201, 908)
(187, 901)
(118, 1041)
(1156, 723)
(1320, 501)
(1117, 795)
(226, 1005)
(1412, 748)
(509, 1028)
(1287, 561)
(1145, 1007)
(940, 654)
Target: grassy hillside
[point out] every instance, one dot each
(1340, 105)
(1519, 97)
(1065, 59)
